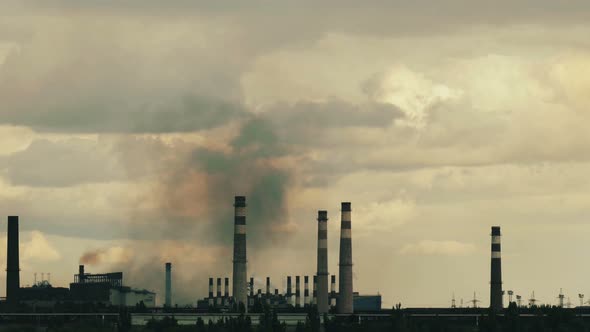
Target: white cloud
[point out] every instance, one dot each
(385, 216)
(446, 248)
(412, 92)
(38, 248)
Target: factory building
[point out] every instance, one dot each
(43, 295)
(108, 289)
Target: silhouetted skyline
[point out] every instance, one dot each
(126, 128)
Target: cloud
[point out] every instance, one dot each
(34, 247)
(61, 164)
(413, 93)
(115, 81)
(39, 249)
(445, 248)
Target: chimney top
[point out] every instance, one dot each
(495, 230)
(322, 215)
(346, 206)
(240, 201)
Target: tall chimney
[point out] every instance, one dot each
(289, 290)
(81, 274)
(226, 291)
(322, 260)
(218, 291)
(496, 271)
(168, 285)
(333, 291)
(240, 286)
(305, 290)
(297, 291)
(344, 305)
(314, 300)
(12, 265)
(267, 290)
(211, 299)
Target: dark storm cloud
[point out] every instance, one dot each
(202, 184)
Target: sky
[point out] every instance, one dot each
(126, 128)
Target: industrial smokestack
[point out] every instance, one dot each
(226, 291)
(305, 290)
(211, 300)
(251, 291)
(168, 285)
(333, 291)
(267, 290)
(496, 271)
(297, 291)
(344, 305)
(240, 286)
(80, 274)
(289, 290)
(12, 264)
(218, 291)
(322, 263)
(315, 291)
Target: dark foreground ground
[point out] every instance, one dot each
(398, 320)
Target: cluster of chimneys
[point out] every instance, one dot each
(240, 286)
(322, 298)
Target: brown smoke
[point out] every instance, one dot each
(92, 257)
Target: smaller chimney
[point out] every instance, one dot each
(218, 291)
(211, 300)
(305, 290)
(333, 291)
(297, 291)
(81, 274)
(315, 290)
(267, 290)
(251, 291)
(168, 285)
(226, 293)
(276, 297)
(289, 290)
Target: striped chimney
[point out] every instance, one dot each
(297, 291)
(333, 291)
(289, 290)
(211, 300)
(239, 285)
(344, 305)
(314, 300)
(322, 260)
(496, 271)
(305, 290)
(218, 291)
